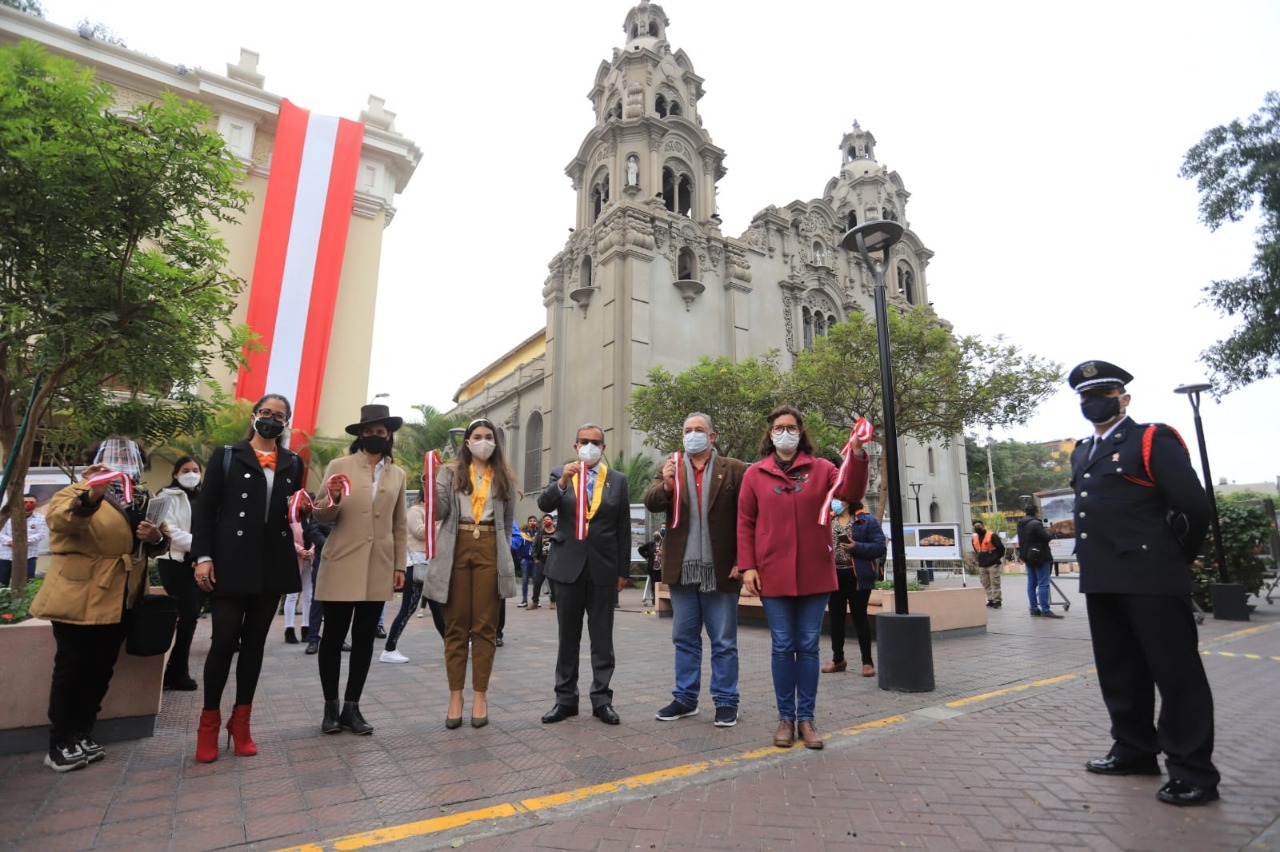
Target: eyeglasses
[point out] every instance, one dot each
(787, 430)
(278, 416)
(591, 441)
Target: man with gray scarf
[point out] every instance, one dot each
(700, 567)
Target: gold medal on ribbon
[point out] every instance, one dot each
(475, 531)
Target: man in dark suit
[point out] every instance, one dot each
(587, 573)
(1140, 518)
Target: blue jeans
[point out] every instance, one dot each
(794, 626)
(691, 610)
(1038, 582)
(526, 576)
(6, 570)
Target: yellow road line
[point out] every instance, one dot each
(410, 829)
(1240, 656)
(986, 696)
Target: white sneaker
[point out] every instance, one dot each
(392, 657)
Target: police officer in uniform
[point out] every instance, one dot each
(1141, 516)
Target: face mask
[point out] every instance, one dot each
(786, 442)
(1100, 409)
(481, 449)
(28, 507)
(189, 480)
(837, 506)
(589, 454)
(376, 444)
(696, 442)
(268, 427)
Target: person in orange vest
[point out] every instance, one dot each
(990, 552)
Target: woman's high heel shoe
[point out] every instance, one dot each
(451, 723)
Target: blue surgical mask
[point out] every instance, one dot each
(695, 442)
(837, 506)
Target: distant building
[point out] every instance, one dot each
(647, 278)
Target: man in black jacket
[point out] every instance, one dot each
(1033, 545)
(1140, 517)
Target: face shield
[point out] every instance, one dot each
(122, 455)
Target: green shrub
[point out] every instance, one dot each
(15, 606)
(1246, 528)
(887, 586)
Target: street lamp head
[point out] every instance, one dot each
(1193, 387)
(876, 235)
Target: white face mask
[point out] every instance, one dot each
(589, 454)
(786, 442)
(481, 449)
(696, 442)
(189, 480)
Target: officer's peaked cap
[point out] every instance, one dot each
(1097, 374)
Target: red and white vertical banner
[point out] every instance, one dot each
(430, 469)
(676, 492)
(303, 239)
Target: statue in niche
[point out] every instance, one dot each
(633, 171)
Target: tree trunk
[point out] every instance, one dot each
(17, 485)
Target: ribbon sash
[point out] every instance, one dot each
(126, 484)
(431, 468)
(676, 458)
(862, 430)
(586, 504)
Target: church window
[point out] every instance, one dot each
(635, 31)
(935, 513)
(653, 29)
(533, 454)
(615, 111)
(831, 320)
(852, 153)
(676, 108)
(929, 456)
(684, 196)
(906, 283)
(687, 265)
(660, 106)
(853, 220)
(806, 317)
(819, 254)
(677, 191)
(819, 325)
(585, 277)
(599, 195)
(669, 189)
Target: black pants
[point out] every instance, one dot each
(583, 597)
(538, 580)
(315, 615)
(848, 596)
(361, 618)
(180, 583)
(243, 619)
(83, 663)
(1142, 643)
(409, 597)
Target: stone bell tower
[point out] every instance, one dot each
(646, 278)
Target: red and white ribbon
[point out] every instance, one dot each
(299, 503)
(862, 430)
(676, 492)
(126, 483)
(430, 468)
(342, 481)
(582, 498)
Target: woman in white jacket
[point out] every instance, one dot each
(176, 570)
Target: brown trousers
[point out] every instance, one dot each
(472, 611)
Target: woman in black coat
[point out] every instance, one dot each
(244, 559)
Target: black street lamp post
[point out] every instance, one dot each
(903, 640)
(915, 491)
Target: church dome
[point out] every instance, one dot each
(862, 168)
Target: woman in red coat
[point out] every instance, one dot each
(785, 556)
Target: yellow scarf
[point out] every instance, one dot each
(597, 493)
(480, 492)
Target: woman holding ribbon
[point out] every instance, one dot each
(364, 558)
(100, 537)
(472, 570)
(244, 560)
(786, 557)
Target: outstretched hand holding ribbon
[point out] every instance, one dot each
(860, 434)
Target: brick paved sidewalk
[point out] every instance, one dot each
(999, 772)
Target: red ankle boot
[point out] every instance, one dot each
(207, 736)
(238, 730)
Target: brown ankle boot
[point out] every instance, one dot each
(786, 733)
(809, 734)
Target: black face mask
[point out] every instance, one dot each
(376, 444)
(268, 427)
(1100, 409)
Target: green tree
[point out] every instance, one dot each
(112, 277)
(1247, 519)
(1235, 166)
(416, 438)
(639, 470)
(943, 384)
(736, 397)
(1020, 468)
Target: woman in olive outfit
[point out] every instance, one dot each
(98, 568)
(244, 559)
(364, 559)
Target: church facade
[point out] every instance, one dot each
(647, 278)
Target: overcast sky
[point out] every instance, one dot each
(1040, 142)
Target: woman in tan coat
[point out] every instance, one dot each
(473, 570)
(364, 559)
(98, 567)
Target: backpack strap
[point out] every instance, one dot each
(226, 460)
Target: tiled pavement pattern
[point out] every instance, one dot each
(1001, 772)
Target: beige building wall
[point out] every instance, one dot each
(246, 114)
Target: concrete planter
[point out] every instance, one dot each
(128, 712)
(949, 610)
